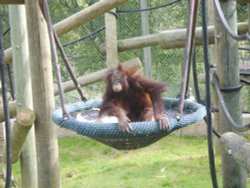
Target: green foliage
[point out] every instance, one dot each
(245, 99)
(170, 17)
(241, 10)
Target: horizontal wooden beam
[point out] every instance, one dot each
(243, 1)
(12, 110)
(8, 55)
(168, 39)
(96, 76)
(20, 129)
(86, 15)
(153, 40)
(12, 2)
(237, 147)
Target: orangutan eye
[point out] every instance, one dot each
(115, 80)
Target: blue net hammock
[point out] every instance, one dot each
(143, 134)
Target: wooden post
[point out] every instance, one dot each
(228, 74)
(248, 88)
(22, 81)
(213, 55)
(147, 59)
(43, 97)
(111, 39)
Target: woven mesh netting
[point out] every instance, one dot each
(143, 133)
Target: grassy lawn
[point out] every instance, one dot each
(171, 162)
(179, 162)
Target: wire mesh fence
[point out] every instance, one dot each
(82, 45)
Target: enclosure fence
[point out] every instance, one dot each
(134, 19)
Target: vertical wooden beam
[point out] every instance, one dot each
(147, 59)
(43, 97)
(248, 11)
(213, 55)
(111, 39)
(248, 88)
(228, 73)
(22, 81)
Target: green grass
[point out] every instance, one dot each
(171, 162)
(180, 162)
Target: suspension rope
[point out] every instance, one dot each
(208, 98)
(7, 31)
(244, 48)
(147, 9)
(245, 81)
(224, 107)
(235, 36)
(188, 52)
(66, 61)
(55, 41)
(216, 133)
(195, 78)
(12, 92)
(244, 73)
(6, 113)
(9, 70)
(67, 64)
(197, 91)
(85, 37)
(46, 13)
(231, 89)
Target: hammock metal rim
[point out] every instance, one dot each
(110, 130)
